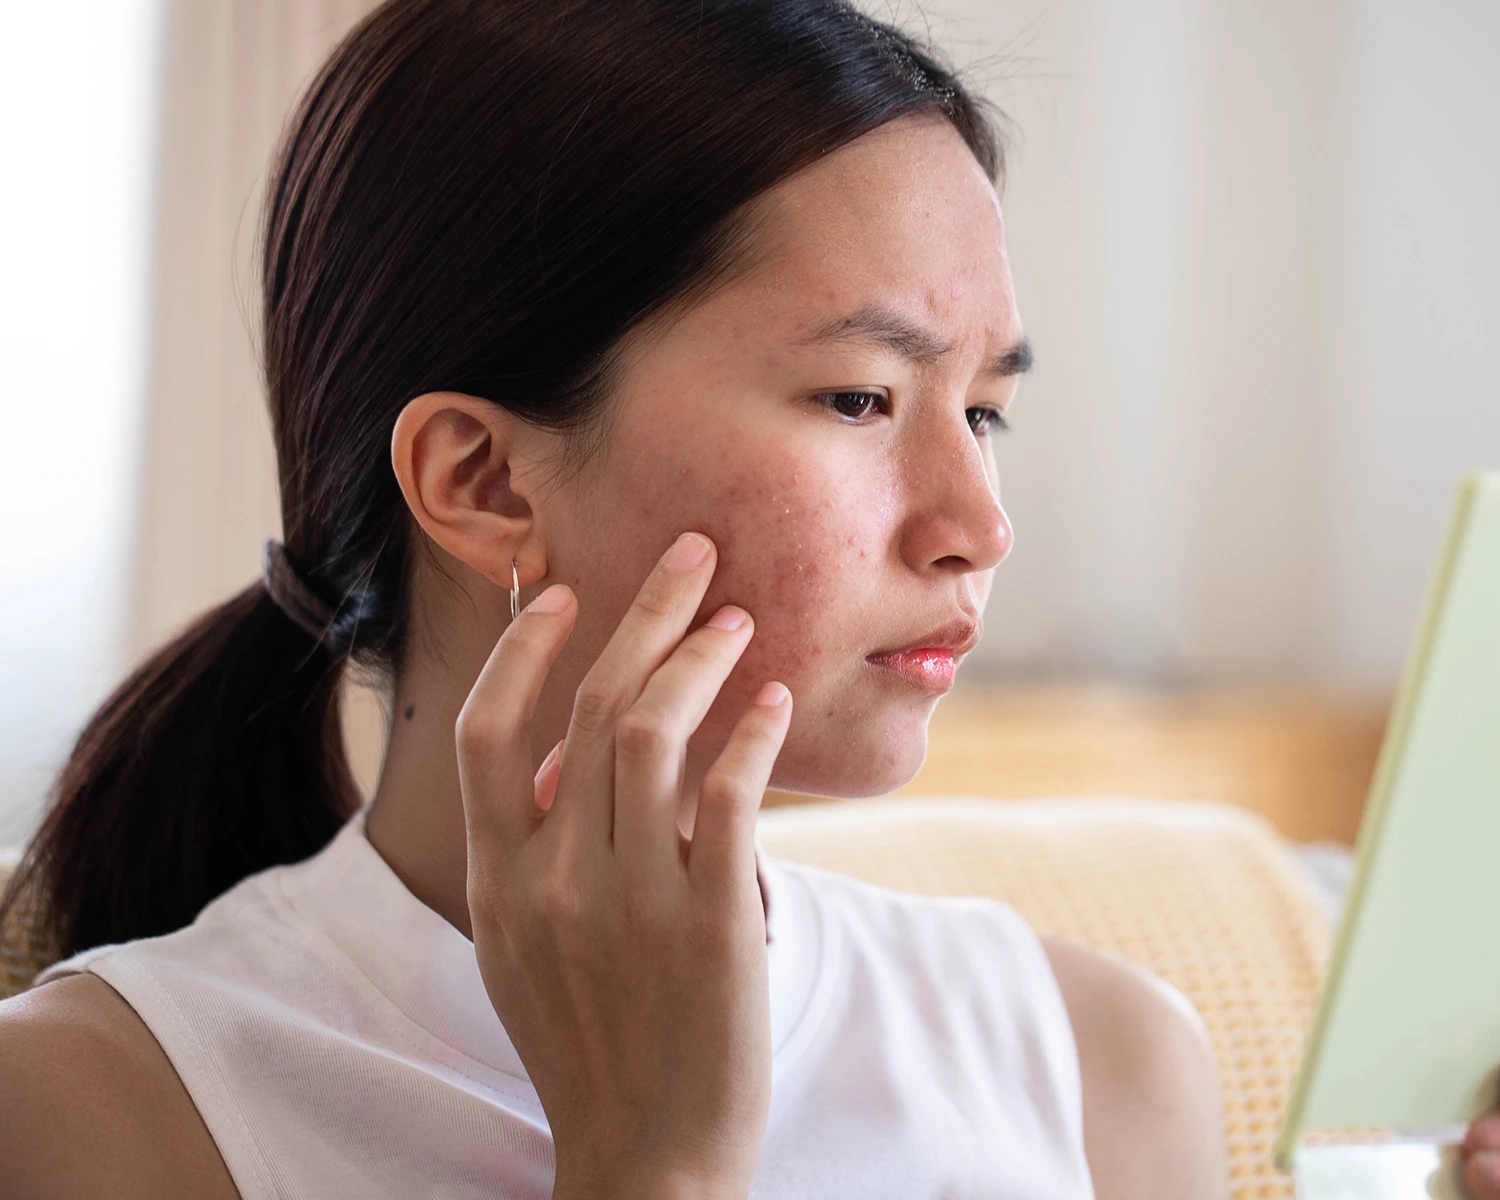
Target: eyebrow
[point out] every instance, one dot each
(884, 326)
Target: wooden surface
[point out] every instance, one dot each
(1303, 760)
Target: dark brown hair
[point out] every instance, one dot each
(481, 196)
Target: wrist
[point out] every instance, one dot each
(622, 1183)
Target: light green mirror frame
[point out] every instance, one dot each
(1406, 1035)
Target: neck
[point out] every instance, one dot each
(416, 820)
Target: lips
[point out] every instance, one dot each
(929, 664)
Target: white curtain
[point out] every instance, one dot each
(231, 73)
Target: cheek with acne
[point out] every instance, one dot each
(797, 554)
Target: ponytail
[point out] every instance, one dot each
(219, 756)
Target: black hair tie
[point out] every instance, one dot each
(290, 593)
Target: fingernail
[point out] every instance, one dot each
(687, 552)
(773, 695)
(728, 617)
(554, 599)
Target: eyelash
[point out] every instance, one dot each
(994, 419)
(991, 418)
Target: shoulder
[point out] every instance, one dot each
(959, 945)
(884, 910)
(1152, 1110)
(956, 939)
(91, 1105)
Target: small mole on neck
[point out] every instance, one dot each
(410, 708)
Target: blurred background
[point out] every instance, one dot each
(1255, 247)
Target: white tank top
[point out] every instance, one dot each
(336, 1036)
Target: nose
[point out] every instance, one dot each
(955, 522)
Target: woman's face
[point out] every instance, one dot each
(825, 419)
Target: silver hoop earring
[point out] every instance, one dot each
(515, 591)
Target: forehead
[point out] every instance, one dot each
(904, 217)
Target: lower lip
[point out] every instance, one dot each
(927, 669)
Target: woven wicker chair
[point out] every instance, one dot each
(25, 948)
(1205, 895)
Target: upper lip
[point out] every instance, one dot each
(959, 635)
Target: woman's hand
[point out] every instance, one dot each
(1482, 1157)
(627, 963)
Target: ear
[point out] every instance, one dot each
(460, 463)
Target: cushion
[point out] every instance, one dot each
(1207, 896)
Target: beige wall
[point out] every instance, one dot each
(231, 71)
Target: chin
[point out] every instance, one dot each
(847, 768)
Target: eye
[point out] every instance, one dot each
(853, 405)
(983, 420)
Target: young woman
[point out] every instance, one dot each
(686, 325)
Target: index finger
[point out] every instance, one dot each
(653, 625)
(493, 729)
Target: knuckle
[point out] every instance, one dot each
(700, 652)
(480, 892)
(657, 599)
(479, 726)
(642, 911)
(492, 902)
(558, 901)
(485, 918)
(642, 734)
(475, 732)
(594, 707)
(727, 789)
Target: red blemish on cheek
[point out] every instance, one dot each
(797, 577)
(788, 538)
